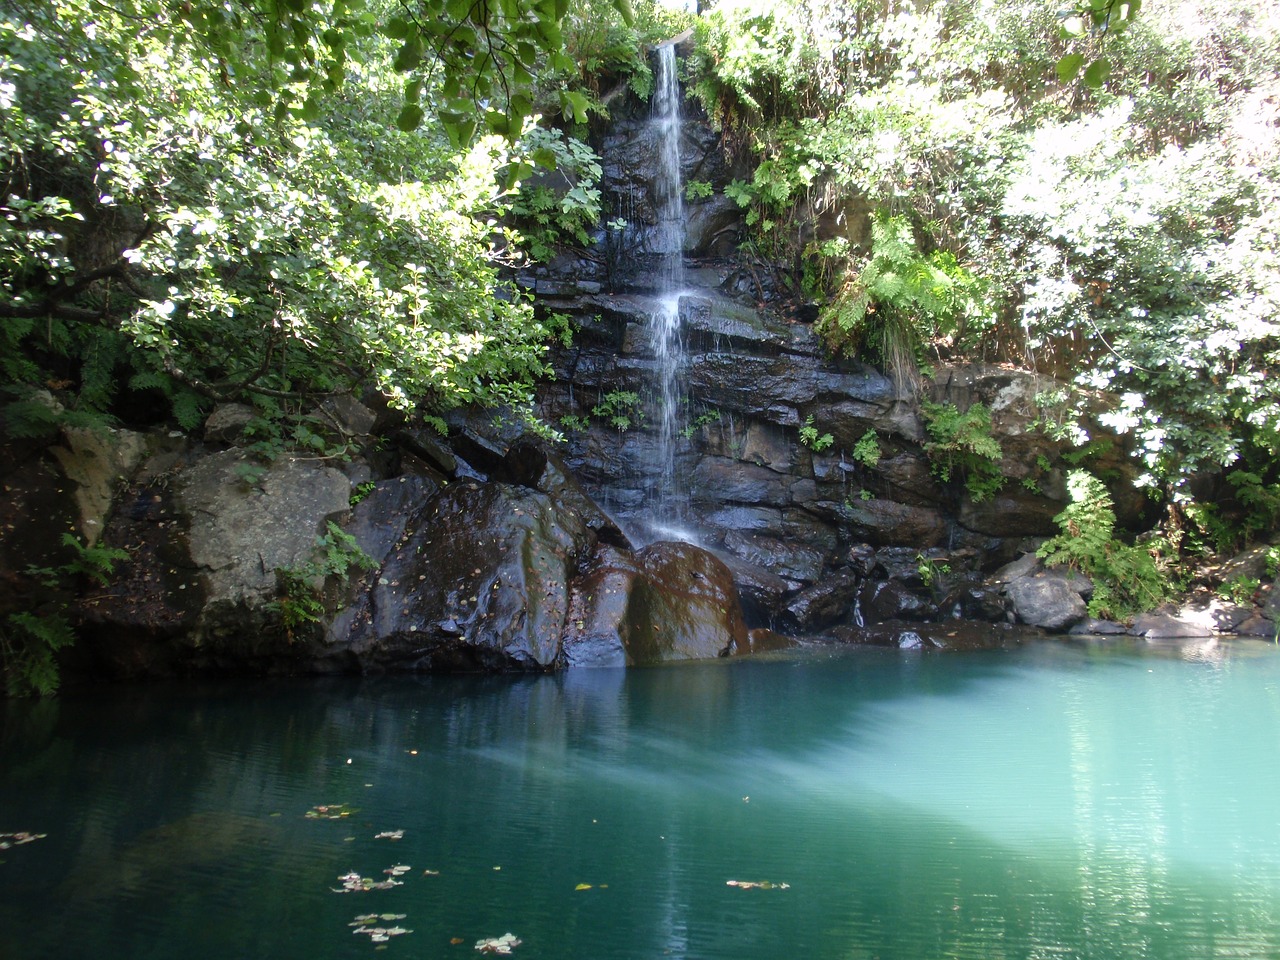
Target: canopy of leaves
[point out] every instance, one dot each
(1107, 184)
(219, 200)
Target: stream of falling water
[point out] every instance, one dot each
(668, 500)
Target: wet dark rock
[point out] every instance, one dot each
(885, 522)
(1025, 566)
(718, 479)
(669, 601)
(887, 600)
(1011, 513)
(974, 602)
(826, 602)
(1092, 626)
(1164, 626)
(481, 583)
(761, 592)
(953, 636)
(426, 444)
(763, 640)
(227, 422)
(861, 558)
(794, 561)
(1257, 626)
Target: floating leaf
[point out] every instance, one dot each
(583, 886)
(17, 839)
(331, 811)
(757, 885)
(352, 882)
(500, 945)
(367, 923)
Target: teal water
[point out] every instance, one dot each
(1053, 801)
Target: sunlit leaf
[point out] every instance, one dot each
(1069, 66)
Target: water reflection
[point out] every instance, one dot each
(1056, 801)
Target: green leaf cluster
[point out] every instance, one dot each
(1126, 578)
(899, 300)
(301, 600)
(961, 446)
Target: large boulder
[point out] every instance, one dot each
(481, 582)
(1049, 599)
(669, 601)
(206, 536)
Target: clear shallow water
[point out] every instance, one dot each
(1050, 802)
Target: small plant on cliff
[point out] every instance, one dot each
(28, 643)
(810, 437)
(962, 447)
(867, 450)
(698, 190)
(1126, 578)
(30, 639)
(300, 586)
(620, 409)
(931, 569)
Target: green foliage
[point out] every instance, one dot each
(167, 230)
(810, 437)
(30, 639)
(1239, 589)
(620, 409)
(301, 601)
(961, 446)
(28, 643)
(1126, 578)
(931, 570)
(563, 204)
(698, 190)
(867, 450)
(899, 300)
(361, 491)
(704, 419)
(1115, 225)
(97, 562)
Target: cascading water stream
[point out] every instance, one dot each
(667, 505)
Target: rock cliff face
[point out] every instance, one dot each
(809, 477)
(805, 501)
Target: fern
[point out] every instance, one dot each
(899, 299)
(28, 643)
(1127, 580)
(962, 446)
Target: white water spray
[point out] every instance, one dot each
(667, 501)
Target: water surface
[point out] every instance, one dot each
(1054, 801)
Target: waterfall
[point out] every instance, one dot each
(667, 505)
